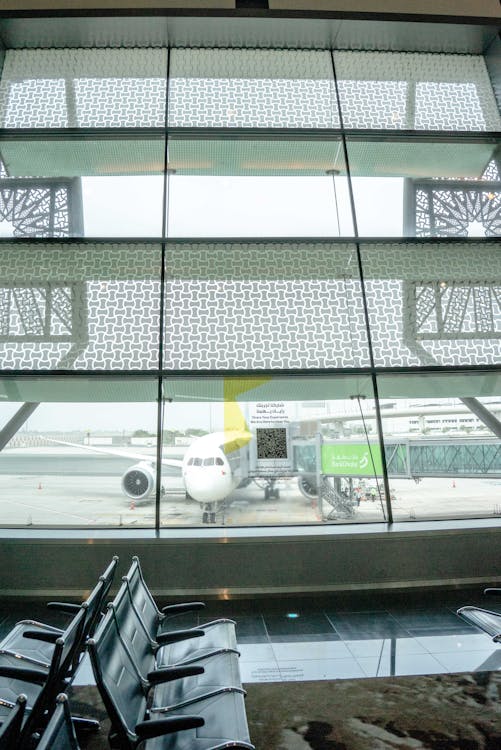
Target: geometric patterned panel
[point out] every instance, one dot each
(39, 312)
(79, 306)
(41, 208)
(456, 209)
(395, 90)
(274, 305)
(434, 304)
(444, 210)
(252, 88)
(58, 88)
(456, 310)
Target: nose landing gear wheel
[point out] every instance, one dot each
(209, 514)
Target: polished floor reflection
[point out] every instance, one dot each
(338, 637)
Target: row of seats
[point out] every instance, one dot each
(170, 689)
(163, 688)
(39, 661)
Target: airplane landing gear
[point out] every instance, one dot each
(209, 513)
(270, 491)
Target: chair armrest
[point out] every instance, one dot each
(65, 607)
(492, 592)
(156, 727)
(167, 674)
(177, 609)
(33, 676)
(178, 635)
(42, 635)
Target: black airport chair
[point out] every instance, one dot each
(214, 723)
(220, 667)
(41, 687)
(10, 730)
(59, 733)
(218, 634)
(32, 642)
(487, 620)
(163, 650)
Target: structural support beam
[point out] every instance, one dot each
(16, 422)
(485, 416)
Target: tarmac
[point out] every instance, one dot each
(62, 486)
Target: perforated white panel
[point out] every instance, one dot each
(415, 91)
(83, 88)
(433, 304)
(270, 305)
(252, 88)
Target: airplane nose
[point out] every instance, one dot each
(206, 487)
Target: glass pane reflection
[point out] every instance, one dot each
(408, 188)
(81, 188)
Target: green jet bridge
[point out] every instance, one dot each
(335, 466)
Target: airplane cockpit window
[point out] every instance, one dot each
(197, 462)
(219, 461)
(209, 461)
(190, 462)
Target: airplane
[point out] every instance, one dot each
(212, 467)
(217, 463)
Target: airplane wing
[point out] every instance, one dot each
(175, 462)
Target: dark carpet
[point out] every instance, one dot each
(438, 712)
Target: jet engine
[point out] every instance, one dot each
(139, 481)
(307, 486)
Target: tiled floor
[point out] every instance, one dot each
(340, 636)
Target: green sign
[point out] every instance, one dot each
(351, 460)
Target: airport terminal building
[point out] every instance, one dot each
(250, 294)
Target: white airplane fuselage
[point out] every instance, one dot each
(211, 468)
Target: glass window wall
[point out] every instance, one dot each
(251, 88)
(204, 224)
(415, 91)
